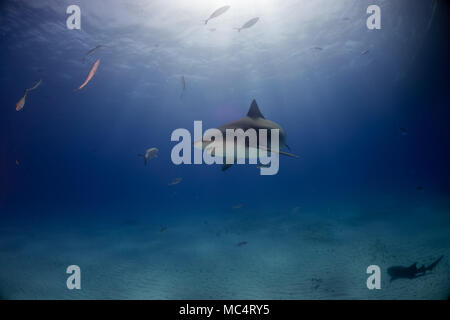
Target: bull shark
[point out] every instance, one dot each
(253, 120)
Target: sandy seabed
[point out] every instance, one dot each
(292, 256)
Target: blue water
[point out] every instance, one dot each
(362, 192)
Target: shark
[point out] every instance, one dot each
(411, 272)
(253, 120)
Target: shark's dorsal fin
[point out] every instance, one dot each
(254, 112)
(413, 266)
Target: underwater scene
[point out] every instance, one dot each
(110, 189)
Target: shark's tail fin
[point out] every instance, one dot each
(414, 265)
(431, 266)
(206, 21)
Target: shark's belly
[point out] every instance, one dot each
(234, 151)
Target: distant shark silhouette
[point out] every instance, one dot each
(411, 272)
(253, 120)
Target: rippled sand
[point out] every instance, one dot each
(286, 257)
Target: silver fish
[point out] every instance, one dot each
(217, 13)
(248, 24)
(175, 181)
(149, 154)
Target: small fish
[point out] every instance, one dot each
(364, 52)
(150, 153)
(242, 243)
(21, 103)
(36, 85)
(217, 13)
(250, 23)
(17, 163)
(403, 131)
(237, 206)
(183, 86)
(175, 181)
(91, 52)
(163, 229)
(91, 74)
(317, 48)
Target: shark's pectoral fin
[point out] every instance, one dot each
(289, 154)
(226, 166)
(279, 152)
